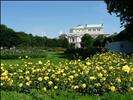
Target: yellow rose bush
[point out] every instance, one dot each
(96, 75)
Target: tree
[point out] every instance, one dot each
(87, 41)
(25, 39)
(99, 41)
(123, 9)
(63, 42)
(8, 37)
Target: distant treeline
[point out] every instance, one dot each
(10, 38)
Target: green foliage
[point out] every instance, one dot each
(122, 36)
(81, 53)
(123, 9)
(54, 56)
(61, 95)
(63, 42)
(87, 41)
(71, 45)
(10, 38)
(15, 54)
(99, 41)
(14, 96)
(117, 96)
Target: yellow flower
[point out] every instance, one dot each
(104, 78)
(26, 56)
(19, 70)
(27, 72)
(131, 88)
(57, 79)
(21, 84)
(64, 74)
(100, 75)
(10, 82)
(88, 63)
(40, 62)
(92, 78)
(98, 84)
(20, 57)
(83, 85)
(55, 87)
(118, 80)
(78, 70)
(131, 70)
(45, 89)
(27, 83)
(39, 78)
(73, 71)
(53, 75)
(50, 82)
(1, 84)
(126, 68)
(49, 70)
(37, 70)
(4, 73)
(98, 68)
(104, 71)
(112, 88)
(76, 75)
(10, 65)
(2, 64)
(20, 77)
(4, 77)
(62, 70)
(46, 78)
(76, 87)
(27, 78)
(71, 77)
(110, 68)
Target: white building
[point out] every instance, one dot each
(76, 33)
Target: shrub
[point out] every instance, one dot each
(82, 53)
(97, 75)
(15, 54)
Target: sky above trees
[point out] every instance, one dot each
(51, 17)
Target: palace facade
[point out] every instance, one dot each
(76, 33)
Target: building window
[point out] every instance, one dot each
(73, 39)
(89, 29)
(98, 29)
(94, 29)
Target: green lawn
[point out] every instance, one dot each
(54, 57)
(61, 95)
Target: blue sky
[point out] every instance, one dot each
(51, 17)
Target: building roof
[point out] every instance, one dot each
(88, 26)
(95, 25)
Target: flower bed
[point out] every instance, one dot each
(96, 75)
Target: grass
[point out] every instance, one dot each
(54, 57)
(14, 96)
(61, 95)
(14, 54)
